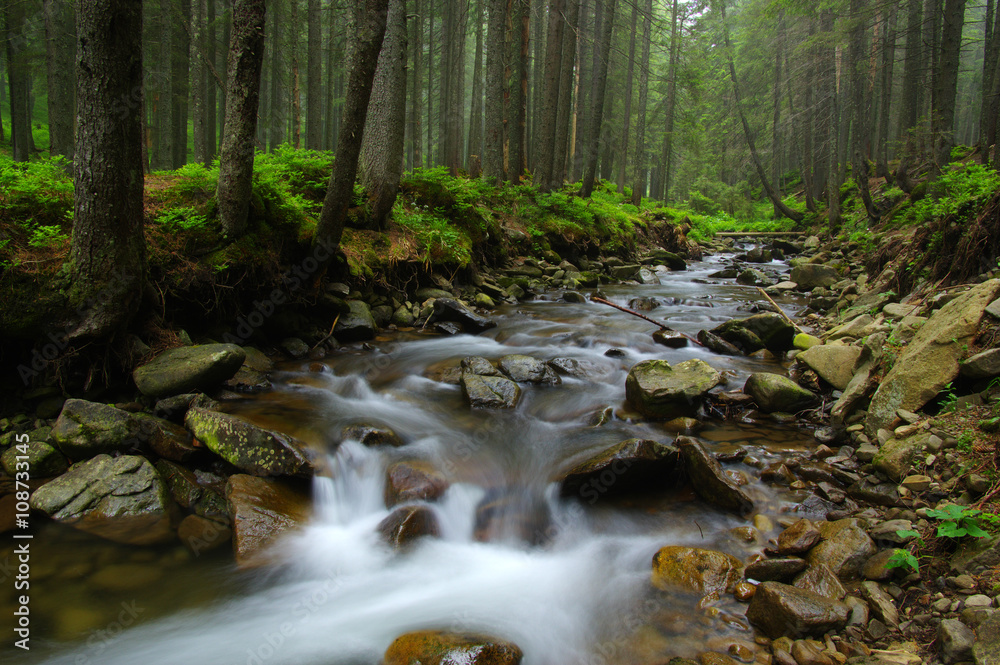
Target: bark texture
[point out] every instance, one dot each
(60, 56)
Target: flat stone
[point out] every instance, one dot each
(845, 547)
(833, 363)
(490, 392)
(444, 648)
(630, 466)
(761, 331)
(917, 483)
(658, 390)
(853, 328)
(250, 448)
(781, 610)
(983, 365)
(708, 479)
(85, 429)
(774, 392)
(774, 570)
(525, 369)
(694, 570)
(819, 579)
(897, 456)
(188, 368)
(798, 538)
(449, 309)
(881, 603)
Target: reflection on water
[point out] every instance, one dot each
(579, 593)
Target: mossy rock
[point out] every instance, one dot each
(694, 570)
(658, 390)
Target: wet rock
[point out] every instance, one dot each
(774, 570)
(490, 392)
(448, 309)
(624, 272)
(371, 435)
(406, 524)
(403, 317)
(717, 344)
(879, 494)
(413, 481)
(773, 392)
(174, 407)
(38, 458)
(525, 369)
(896, 457)
(479, 365)
(443, 648)
(781, 610)
(200, 534)
(658, 390)
(294, 347)
(673, 261)
(513, 514)
(877, 568)
(357, 325)
(931, 359)
(428, 293)
(761, 331)
(708, 479)
(580, 369)
(753, 277)
(166, 439)
(247, 380)
(845, 547)
(670, 338)
(819, 579)
(574, 297)
(188, 368)
(630, 466)
(249, 448)
(810, 275)
(122, 499)
(798, 538)
(807, 652)
(693, 570)
(647, 276)
(881, 603)
(261, 510)
(834, 363)
(85, 429)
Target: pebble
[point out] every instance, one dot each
(978, 600)
(917, 483)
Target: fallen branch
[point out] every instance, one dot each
(662, 326)
(329, 335)
(780, 311)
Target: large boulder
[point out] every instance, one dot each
(188, 368)
(845, 547)
(780, 610)
(833, 362)
(983, 365)
(85, 429)
(490, 392)
(358, 325)
(122, 499)
(810, 275)
(525, 369)
(431, 647)
(761, 331)
(261, 510)
(249, 448)
(658, 390)
(931, 360)
(693, 570)
(449, 309)
(773, 392)
(632, 465)
(709, 480)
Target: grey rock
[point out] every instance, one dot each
(660, 390)
(810, 275)
(42, 460)
(781, 610)
(630, 466)
(479, 365)
(773, 392)
(983, 365)
(709, 480)
(85, 429)
(833, 363)
(448, 309)
(845, 547)
(760, 331)
(774, 570)
(358, 325)
(490, 392)
(188, 368)
(955, 641)
(525, 369)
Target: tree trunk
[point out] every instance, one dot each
(314, 77)
(369, 36)
(246, 58)
(776, 118)
(584, 83)
(564, 107)
(430, 83)
(107, 252)
(18, 79)
(382, 143)
(494, 130)
(276, 106)
(779, 205)
(60, 57)
(221, 60)
(416, 89)
(476, 110)
(550, 97)
(861, 107)
(296, 98)
(990, 94)
(211, 84)
(639, 177)
(931, 41)
(537, 72)
(198, 124)
(909, 107)
(888, 53)
(947, 80)
(601, 56)
(627, 115)
(671, 101)
(517, 115)
(179, 88)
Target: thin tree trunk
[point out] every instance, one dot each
(671, 101)
(382, 143)
(369, 36)
(415, 133)
(909, 108)
(221, 59)
(517, 121)
(18, 79)
(296, 97)
(602, 55)
(494, 130)
(198, 82)
(476, 110)
(430, 83)
(211, 83)
(107, 252)
(314, 77)
(246, 58)
(60, 51)
(276, 106)
(179, 84)
(861, 108)
(564, 107)
(776, 118)
(163, 155)
(639, 177)
(550, 94)
(888, 53)
(794, 215)
(584, 84)
(947, 80)
(627, 116)
(989, 92)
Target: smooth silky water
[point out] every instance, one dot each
(570, 587)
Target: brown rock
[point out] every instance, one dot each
(200, 534)
(798, 538)
(782, 610)
(845, 547)
(413, 481)
(407, 523)
(818, 578)
(441, 648)
(676, 567)
(261, 509)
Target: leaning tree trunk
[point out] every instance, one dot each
(370, 32)
(779, 205)
(107, 254)
(60, 53)
(382, 145)
(246, 57)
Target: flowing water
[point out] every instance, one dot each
(574, 589)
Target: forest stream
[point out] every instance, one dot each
(566, 579)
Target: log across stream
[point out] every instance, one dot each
(577, 590)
